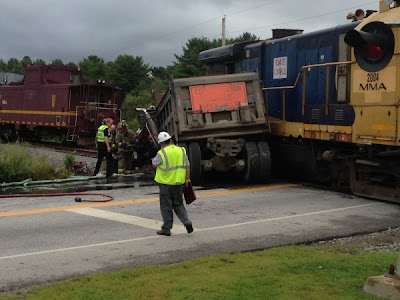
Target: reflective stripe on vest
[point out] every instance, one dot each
(172, 170)
(100, 134)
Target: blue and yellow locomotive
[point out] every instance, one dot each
(333, 100)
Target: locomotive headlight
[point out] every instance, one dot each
(373, 46)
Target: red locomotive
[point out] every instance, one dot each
(53, 101)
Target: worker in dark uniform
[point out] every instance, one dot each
(104, 146)
(114, 148)
(124, 140)
(173, 171)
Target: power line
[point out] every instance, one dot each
(219, 17)
(247, 9)
(300, 20)
(207, 21)
(165, 51)
(280, 24)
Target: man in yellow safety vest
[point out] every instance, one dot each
(173, 171)
(103, 146)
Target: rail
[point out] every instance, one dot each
(303, 73)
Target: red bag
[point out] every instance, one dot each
(189, 194)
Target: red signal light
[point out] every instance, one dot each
(374, 51)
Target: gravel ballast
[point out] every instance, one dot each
(379, 242)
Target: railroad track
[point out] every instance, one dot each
(74, 151)
(77, 151)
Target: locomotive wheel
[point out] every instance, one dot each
(252, 160)
(195, 163)
(265, 162)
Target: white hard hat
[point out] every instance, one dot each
(163, 136)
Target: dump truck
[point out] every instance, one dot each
(221, 121)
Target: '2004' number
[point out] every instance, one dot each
(372, 77)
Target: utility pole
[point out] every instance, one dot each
(224, 31)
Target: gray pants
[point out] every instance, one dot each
(171, 199)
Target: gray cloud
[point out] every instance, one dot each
(155, 29)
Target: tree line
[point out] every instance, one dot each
(137, 80)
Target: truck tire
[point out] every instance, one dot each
(195, 163)
(264, 153)
(252, 169)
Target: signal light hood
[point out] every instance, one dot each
(356, 38)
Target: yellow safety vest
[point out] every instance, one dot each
(172, 170)
(100, 134)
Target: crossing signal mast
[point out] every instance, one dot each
(374, 43)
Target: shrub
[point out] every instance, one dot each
(42, 169)
(16, 164)
(69, 160)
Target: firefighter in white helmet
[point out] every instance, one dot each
(173, 171)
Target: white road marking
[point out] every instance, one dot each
(196, 230)
(292, 216)
(128, 219)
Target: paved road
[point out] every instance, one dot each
(48, 239)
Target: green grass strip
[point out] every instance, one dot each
(295, 272)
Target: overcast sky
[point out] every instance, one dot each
(154, 29)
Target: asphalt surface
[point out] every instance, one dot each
(51, 239)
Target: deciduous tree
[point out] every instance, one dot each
(57, 62)
(127, 72)
(93, 68)
(14, 66)
(39, 62)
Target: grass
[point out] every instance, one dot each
(16, 164)
(295, 272)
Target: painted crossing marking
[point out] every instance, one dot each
(128, 219)
(135, 201)
(293, 216)
(196, 230)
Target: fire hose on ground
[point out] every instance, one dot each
(108, 198)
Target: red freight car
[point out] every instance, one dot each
(53, 100)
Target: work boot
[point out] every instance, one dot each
(189, 228)
(164, 232)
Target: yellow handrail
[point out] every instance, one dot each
(303, 71)
(300, 72)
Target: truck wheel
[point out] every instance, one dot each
(252, 169)
(265, 161)
(195, 163)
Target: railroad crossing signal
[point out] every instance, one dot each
(373, 45)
